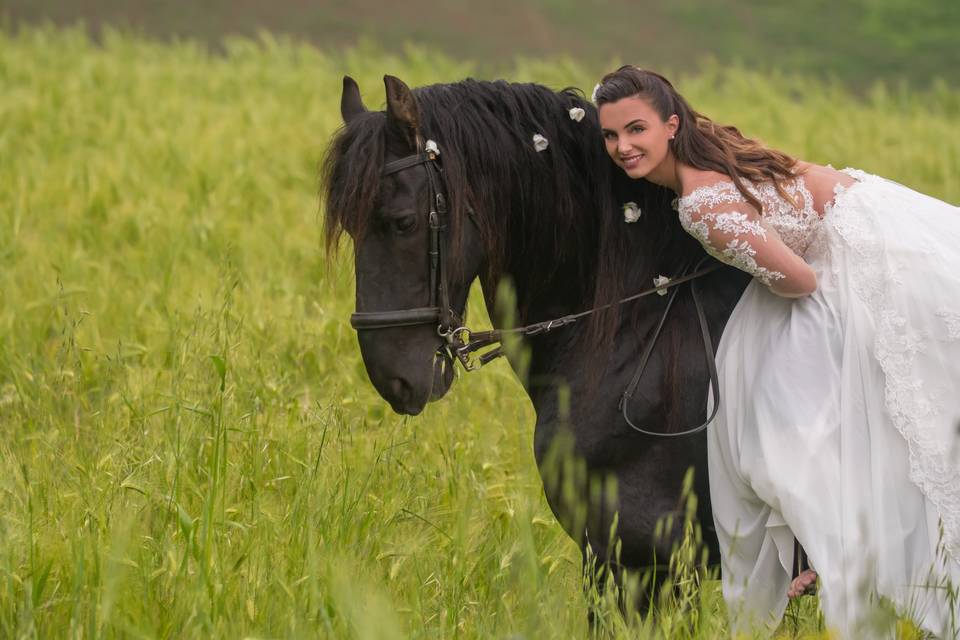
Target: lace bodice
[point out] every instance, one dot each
(732, 230)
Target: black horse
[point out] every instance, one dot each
(550, 221)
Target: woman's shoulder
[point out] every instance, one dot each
(708, 196)
(812, 183)
(706, 190)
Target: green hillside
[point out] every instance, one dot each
(857, 41)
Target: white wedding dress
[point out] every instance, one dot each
(839, 410)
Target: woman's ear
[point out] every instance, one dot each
(673, 124)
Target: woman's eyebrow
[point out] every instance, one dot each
(626, 126)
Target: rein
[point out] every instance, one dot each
(463, 344)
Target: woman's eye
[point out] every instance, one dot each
(637, 129)
(609, 135)
(404, 224)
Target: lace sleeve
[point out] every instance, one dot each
(732, 231)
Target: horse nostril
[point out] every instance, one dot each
(399, 389)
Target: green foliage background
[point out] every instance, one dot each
(190, 446)
(857, 41)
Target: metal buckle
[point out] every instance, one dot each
(458, 337)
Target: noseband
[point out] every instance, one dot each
(464, 345)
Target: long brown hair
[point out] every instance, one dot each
(700, 142)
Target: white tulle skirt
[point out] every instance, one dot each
(838, 423)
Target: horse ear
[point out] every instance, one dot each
(402, 109)
(351, 104)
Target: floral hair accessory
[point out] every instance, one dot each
(593, 96)
(431, 147)
(659, 281)
(540, 143)
(577, 114)
(631, 212)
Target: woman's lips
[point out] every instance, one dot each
(630, 162)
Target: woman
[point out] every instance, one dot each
(839, 367)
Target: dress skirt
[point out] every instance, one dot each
(838, 423)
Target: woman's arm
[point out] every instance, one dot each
(739, 237)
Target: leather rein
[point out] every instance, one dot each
(464, 345)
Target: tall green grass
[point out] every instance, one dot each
(189, 446)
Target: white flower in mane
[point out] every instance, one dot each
(631, 212)
(659, 281)
(540, 143)
(577, 114)
(431, 147)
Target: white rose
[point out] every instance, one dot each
(539, 142)
(659, 281)
(631, 212)
(577, 114)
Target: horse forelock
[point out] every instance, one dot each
(350, 176)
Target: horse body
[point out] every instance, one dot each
(548, 221)
(649, 472)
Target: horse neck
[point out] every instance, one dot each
(551, 286)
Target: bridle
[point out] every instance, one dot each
(465, 345)
(439, 311)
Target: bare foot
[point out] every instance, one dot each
(805, 583)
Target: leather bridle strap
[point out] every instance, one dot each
(405, 163)
(390, 319)
(466, 343)
(495, 335)
(439, 311)
(711, 367)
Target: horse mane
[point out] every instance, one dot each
(542, 215)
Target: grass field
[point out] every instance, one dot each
(858, 41)
(190, 446)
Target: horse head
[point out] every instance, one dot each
(408, 293)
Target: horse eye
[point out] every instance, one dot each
(404, 224)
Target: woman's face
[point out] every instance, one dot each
(636, 138)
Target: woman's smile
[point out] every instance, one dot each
(631, 161)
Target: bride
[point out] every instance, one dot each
(839, 367)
